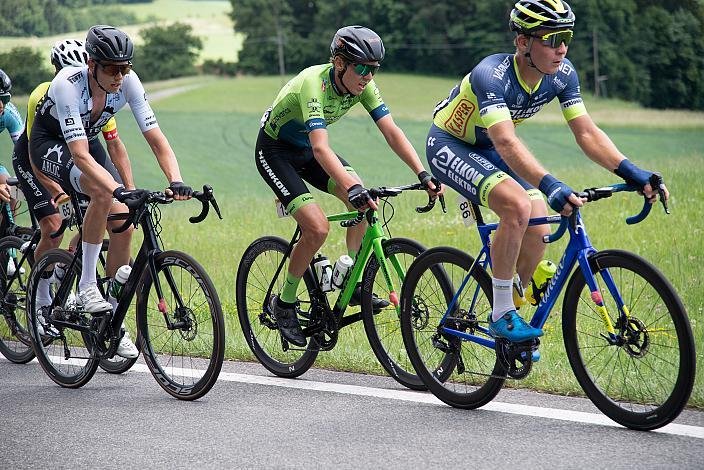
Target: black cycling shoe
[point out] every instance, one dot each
(287, 322)
(377, 302)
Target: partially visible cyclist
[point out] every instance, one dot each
(292, 146)
(472, 146)
(78, 104)
(41, 192)
(11, 120)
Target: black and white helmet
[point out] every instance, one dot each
(69, 53)
(5, 83)
(357, 44)
(108, 43)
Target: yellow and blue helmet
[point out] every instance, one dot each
(532, 15)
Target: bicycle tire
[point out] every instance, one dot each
(15, 344)
(262, 336)
(652, 345)
(76, 370)
(190, 345)
(383, 328)
(475, 375)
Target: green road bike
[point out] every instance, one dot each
(380, 266)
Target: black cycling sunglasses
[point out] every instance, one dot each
(5, 98)
(114, 69)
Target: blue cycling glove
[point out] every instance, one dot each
(632, 174)
(556, 191)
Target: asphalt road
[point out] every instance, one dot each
(323, 420)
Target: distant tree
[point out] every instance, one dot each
(167, 52)
(26, 67)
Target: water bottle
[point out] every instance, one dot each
(323, 271)
(542, 275)
(339, 272)
(119, 281)
(519, 295)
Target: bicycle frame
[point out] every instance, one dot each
(578, 250)
(372, 244)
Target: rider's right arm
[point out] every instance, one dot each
(90, 168)
(328, 160)
(515, 153)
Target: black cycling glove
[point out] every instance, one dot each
(180, 189)
(131, 197)
(424, 177)
(358, 196)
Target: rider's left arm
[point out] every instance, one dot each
(595, 143)
(164, 154)
(399, 143)
(118, 155)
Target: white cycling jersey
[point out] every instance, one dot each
(65, 110)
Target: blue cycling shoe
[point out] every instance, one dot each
(512, 327)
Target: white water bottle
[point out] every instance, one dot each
(339, 272)
(119, 281)
(323, 271)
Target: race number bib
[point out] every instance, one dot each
(466, 211)
(64, 207)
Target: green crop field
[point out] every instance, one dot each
(209, 19)
(213, 129)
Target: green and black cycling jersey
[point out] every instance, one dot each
(311, 100)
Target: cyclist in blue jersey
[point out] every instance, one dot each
(292, 146)
(9, 119)
(472, 146)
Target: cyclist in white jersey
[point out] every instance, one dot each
(80, 101)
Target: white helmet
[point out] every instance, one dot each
(69, 53)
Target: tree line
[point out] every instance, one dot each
(50, 17)
(640, 50)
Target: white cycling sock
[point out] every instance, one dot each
(503, 297)
(91, 252)
(43, 292)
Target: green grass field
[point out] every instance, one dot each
(209, 19)
(213, 130)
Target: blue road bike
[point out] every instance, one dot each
(625, 330)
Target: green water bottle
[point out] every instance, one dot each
(543, 273)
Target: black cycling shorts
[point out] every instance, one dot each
(37, 196)
(284, 167)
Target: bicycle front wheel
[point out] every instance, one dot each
(15, 344)
(643, 376)
(257, 268)
(183, 332)
(61, 350)
(383, 328)
(461, 373)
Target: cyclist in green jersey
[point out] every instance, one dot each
(472, 146)
(292, 146)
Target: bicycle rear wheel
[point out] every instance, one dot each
(186, 358)
(15, 344)
(65, 357)
(461, 373)
(384, 328)
(256, 270)
(643, 377)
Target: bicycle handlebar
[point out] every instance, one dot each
(383, 191)
(594, 194)
(206, 197)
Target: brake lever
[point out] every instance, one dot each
(656, 182)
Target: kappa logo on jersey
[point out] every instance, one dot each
(519, 99)
(75, 77)
(459, 118)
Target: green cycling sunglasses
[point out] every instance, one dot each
(555, 38)
(364, 69)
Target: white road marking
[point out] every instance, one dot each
(423, 397)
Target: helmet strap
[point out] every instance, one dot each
(95, 77)
(340, 74)
(530, 59)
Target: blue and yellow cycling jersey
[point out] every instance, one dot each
(311, 101)
(11, 120)
(494, 92)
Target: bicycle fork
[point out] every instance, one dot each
(162, 306)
